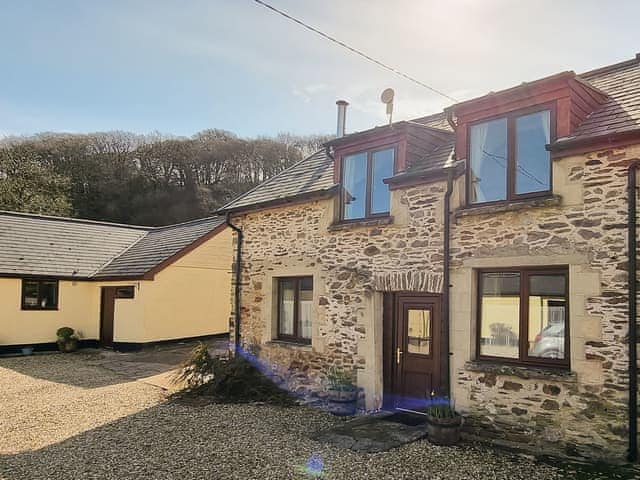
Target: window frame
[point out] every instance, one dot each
(369, 186)
(295, 338)
(39, 281)
(511, 118)
(523, 348)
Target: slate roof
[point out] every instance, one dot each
(621, 113)
(311, 175)
(156, 246)
(72, 248)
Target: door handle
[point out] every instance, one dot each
(398, 354)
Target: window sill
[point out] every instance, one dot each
(521, 371)
(365, 222)
(289, 343)
(509, 206)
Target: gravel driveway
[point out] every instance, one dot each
(68, 417)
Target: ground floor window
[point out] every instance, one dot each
(39, 294)
(523, 315)
(295, 306)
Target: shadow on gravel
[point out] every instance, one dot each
(75, 369)
(173, 441)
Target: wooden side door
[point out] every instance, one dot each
(107, 310)
(416, 350)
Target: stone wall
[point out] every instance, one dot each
(584, 228)
(350, 265)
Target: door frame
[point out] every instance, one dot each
(390, 328)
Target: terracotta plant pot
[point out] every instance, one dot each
(444, 431)
(342, 402)
(67, 345)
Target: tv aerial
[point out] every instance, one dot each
(387, 99)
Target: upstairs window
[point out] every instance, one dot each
(508, 157)
(39, 294)
(364, 194)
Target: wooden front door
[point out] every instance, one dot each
(107, 310)
(413, 371)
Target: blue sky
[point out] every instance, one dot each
(182, 66)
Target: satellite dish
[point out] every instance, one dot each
(387, 98)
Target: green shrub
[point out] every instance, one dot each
(229, 380)
(440, 408)
(65, 333)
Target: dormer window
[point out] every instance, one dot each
(364, 194)
(508, 159)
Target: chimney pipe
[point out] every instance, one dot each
(342, 117)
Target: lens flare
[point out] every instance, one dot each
(315, 465)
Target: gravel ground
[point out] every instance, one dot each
(65, 417)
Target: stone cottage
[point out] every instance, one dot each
(479, 253)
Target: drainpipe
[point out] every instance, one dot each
(632, 455)
(446, 381)
(236, 330)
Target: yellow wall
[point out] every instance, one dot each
(189, 298)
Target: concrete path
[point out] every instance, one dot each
(157, 365)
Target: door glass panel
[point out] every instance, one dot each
(287, 300)
(419, 331)
(547, 314)
(500, 314)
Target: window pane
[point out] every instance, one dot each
(354, 186)
(419, 331)
(547, 314)
(488, 156)
(382, 168)
(287, 299)
(305, 307)
(48, 294)
(533, 164)
(500, 314)
(30, 294)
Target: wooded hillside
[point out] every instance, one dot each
(139, 179)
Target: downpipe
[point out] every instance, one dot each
(632, 454)
(238, 279)
(446, 387)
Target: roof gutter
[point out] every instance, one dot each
(583, 144)
(632, 454)
(238, 279)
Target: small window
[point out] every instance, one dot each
(295, 309)
(39, 294)
(523, 316)
(364, 193)
(125, 292)
(508, 158)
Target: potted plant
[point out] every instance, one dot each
(342, 392)
(443, 422)
(67, 339)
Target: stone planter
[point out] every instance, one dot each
(444, 431)
(342, 402)
(67, 345)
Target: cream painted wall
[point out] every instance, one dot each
(78, 307)
(188, 298)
